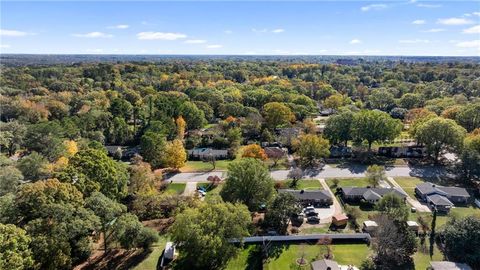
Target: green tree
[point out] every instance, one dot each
(101, 172)
(203, 235)
(338, 127)
(10, 179)
(194, 117)
(375, 174)
(381, 99)
(12, 135)
(394, 207)
(461, 238)
(471, 156)
(394, 245)
(142, 178)
(130, 232)
(33, 167)
(33, 198)
(277, 114)
(108, 211)
(373, 126)
(312, 148)
(45, 138)
(248, 181)
(152, 147)
(284, 206)
(439, 134)
(15, 253)
(469, 116)
(61, 235)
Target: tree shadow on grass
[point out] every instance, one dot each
(118, 259)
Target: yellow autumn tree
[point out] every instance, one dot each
(71, 148)
(175, 155)
(181, 124)
(254, 151)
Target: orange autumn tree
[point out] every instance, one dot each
(254, 151)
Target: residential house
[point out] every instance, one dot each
(370, 226)
(444, 265)
(207, 153)
(310, 197)
(371, 195)
(325, 265)
(441, 198)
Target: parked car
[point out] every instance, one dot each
(312, 214)
(313, 219)
(201, 192)
(309, 209)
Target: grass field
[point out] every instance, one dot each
(343, 254)
(212, 193)
(347, 182)
(422, 259)
(408, 184)
(304, 184)
(150, 263)
(201, 166)
(176, 188)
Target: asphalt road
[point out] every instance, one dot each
(326, 172)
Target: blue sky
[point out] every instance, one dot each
(226, 27)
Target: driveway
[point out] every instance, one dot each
(190, 188)
(337, 207)
(412, 201)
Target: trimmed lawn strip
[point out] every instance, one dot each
(176, 188)
(347, 182)
(408, 184)
(152, 260)
(343, 254)
(303, 184)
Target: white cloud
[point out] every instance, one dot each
(434, 30)
(264, 30)
(4, 46)
(419, 22)
(373, 7)
(93, 35)
(279, 30)
(469, 44)
(94, 50)
(119, 26)
(472, 30)
(454, 21)
(12, 33)
(228, 32)
(214, 46)
(476, 13)
(195, 41)
(429, 5)
(355, 41)
(413, 41)
(160, 36)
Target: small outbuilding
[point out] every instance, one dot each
(370, 226)
(339, 220)
(413, 226)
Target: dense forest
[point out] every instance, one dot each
(61, 190)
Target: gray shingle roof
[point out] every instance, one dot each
(371, 195)
(428, 188)
(449, 266)
(325, 264)
(439, 200)
(308, 194)
(359, 191)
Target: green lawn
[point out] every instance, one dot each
(304, 184)
(201, 166)
(408, 184)
(151, 261)
(347, 182)
(176, 188)
(422, 258)
(212, 193)
(343, 254)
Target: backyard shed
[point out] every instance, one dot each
(340, 220)
(370, 226)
